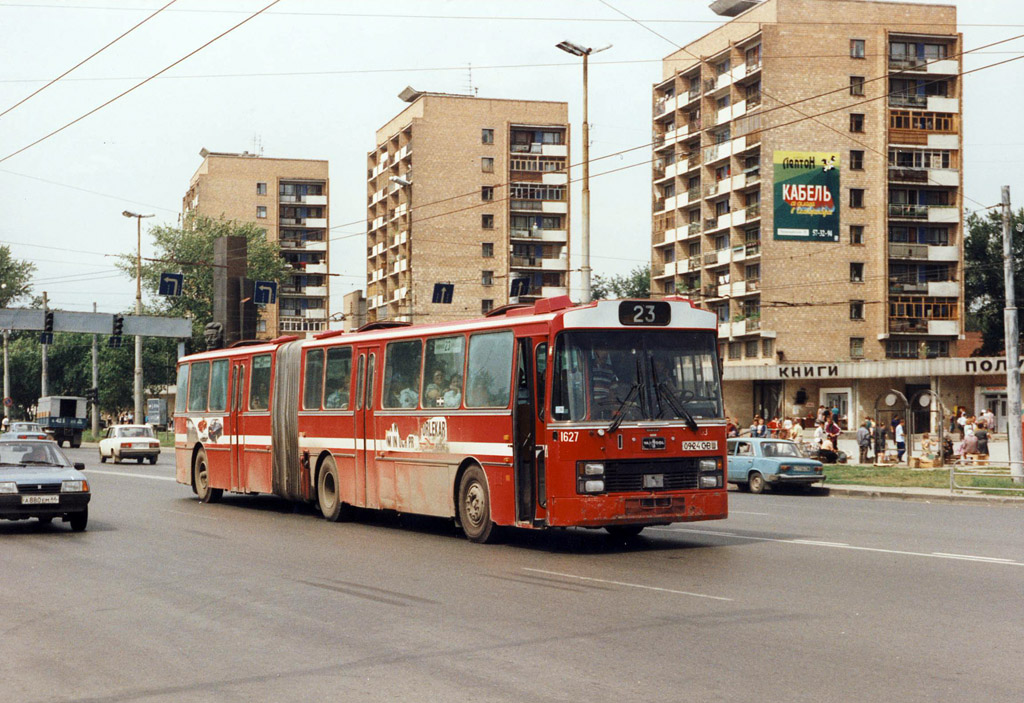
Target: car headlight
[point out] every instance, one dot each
(784, 467)
(74, 486)
(8, 487)
(593, 469)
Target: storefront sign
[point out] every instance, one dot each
(807, 196)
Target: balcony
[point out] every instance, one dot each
(905, 100)
(693, 263)
(908, 175)
(693, 229)
(753, 211)
(896, 286)
(908, 251)
(913, 325)
(527, 205)
(907, 211)
(913, 63)
(753, 249)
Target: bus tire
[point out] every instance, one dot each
(624, 531)
(328, 495)
(755, 484)
(201, 480)
(475, 506)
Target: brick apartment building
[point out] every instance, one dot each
(287, 198)
(486, 203)
(872, 301)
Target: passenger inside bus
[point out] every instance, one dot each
(453, 396)
(338, 400)
(434, 392)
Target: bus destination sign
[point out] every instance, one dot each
(643, 313)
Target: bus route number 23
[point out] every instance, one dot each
(643, 313)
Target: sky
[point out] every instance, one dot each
(315, 79)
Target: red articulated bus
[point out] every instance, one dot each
(604, 415)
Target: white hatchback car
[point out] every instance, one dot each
(129, 442)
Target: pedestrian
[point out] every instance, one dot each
(969, 425)
(796, 431)
(901, 443)
(731, 428)
(961, 423)
(879, 443)
(864, 441)
(952, 423)
(773, 427)
(832, 431)
(787, 426)
(758, 429)
(819, 433)
(821, 414)
(981, 434)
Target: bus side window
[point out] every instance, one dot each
(338, 378)
(369, 381)
(442, 372)
(199, 388)
(313, 379)
(489, 371)
(360, 383)
(542, 368)
(219, 386)
(402, 374)
(181, 397)
(259, 383)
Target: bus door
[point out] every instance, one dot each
(524, 433)
(364, 433)
(236, 426)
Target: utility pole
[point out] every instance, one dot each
(7, 376)
(1011, 337)
(139, 416)
(95, 382)
(45, 381)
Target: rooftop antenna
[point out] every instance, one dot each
(257, 145)
(470, 88)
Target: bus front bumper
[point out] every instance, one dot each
(644, 509)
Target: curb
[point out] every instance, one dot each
(910, 494)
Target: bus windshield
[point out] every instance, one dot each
(643, 375)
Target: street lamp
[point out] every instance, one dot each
(577, 50)
(139, 416)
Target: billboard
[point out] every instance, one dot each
(806, 199)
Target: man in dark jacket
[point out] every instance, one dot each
(863, 441)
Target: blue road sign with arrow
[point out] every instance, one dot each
(171, 283)
(264, 292)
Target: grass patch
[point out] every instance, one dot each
(903, 477)
(166, 438)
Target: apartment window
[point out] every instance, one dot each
(487, 136)
(722, 67)
(487, 164)
(487, 221)
(856, 234)
(752, 347)
(722, 102)
(487, 193)
(857, 49)
(722, 172)
(857, 272)
(261, 211)
(857, 197)
(856, 122)
(487, 250)
(856, 347)
(487, 278)
(668, 255)
(735, 350)
(856, 309)
(857, 85)
(670, 287)
(261, 189)
(856, 160)
(694, 248)
(767, 347)
(486, 306)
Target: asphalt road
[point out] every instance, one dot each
(793, 598)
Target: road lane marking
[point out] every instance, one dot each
(182, 512)
(744, 512)
(840, 545)
(126, 473)
(628, 585)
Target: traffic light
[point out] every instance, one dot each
(48, 323)
(118, 328)
(93, 396)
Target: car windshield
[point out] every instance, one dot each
(779, 449)
(645, 375)
(135, 432)
(31, 453)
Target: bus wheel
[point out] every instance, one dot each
(624, 531)
(201, 477)
(327, 494)
(475, 506)
(756, 483)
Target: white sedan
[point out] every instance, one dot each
(129, 442)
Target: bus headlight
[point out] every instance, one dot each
(593, 486)
(593, 469)
(708, 465)
(710, 473)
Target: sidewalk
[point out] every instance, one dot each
(926, 495)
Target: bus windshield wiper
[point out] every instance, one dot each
(661, 387)
(618, 416)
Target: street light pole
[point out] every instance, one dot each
(139, 416)
(585, 52)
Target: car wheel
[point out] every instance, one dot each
(115, 457)
(80, 520)
(103, 458)
(475, 506)
(152, 460)
(201, 477)
(141, 459)
(328, 496)
(756, 483)
(624, 531)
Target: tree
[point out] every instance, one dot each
(983, 279)
(189, 248)
(15, 277)
(635, 284)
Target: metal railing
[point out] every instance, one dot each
(908, 251)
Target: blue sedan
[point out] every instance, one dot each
(757, 462)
